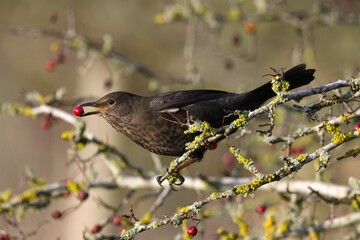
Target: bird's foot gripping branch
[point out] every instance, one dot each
(206, 138)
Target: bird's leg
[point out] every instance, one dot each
(178, 178)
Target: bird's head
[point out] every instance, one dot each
(115, 104)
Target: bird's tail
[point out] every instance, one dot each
(297, 76)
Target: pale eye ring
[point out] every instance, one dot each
(111, 102)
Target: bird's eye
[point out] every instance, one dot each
(111, 102)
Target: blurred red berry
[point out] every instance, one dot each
(96, 228)
(50, 66)
(108, 83)
(261, 209)
(236, 39)
(45, 122)
(250, 27)
(228, 160)
(296, 150)
(82, 195)
(116, 220)
(53, 18)
(357, 126)
(78, 111)
(212, 146)
(56, 215)
(66, 193)
(192, 231)
(4, 236)
(59, 57)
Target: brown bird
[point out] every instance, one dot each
(157, 123)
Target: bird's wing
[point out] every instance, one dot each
(172, 101)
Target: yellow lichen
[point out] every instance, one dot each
(301, 157)
(6, 195)
(242, 224)
(233, 14)
(338, 136)
(313, 235)
(184, 209)
(67, 135)
(72, 186)
(28, 195)
(146, 219)
(269, 226)
(215, 196)
(159, 19)
(355, 203)
(283, 227)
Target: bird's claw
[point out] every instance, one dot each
(174, 178)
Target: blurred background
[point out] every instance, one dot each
(229, 49)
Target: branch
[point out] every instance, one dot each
(71, 36)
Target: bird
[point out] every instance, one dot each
(157, 123)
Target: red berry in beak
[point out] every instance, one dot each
(78, 111)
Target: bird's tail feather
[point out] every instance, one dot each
(297, 76)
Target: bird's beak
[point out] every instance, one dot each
(97, 108)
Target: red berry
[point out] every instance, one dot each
(50, 66)
(78, 111)
(261, 209)
(56, 215)
(236, 40)
(192, 231)
(96, 228)
(59, 57)
(212, 146)
(108, 83)
(66, 193)
(116, 220)
(296, 150)
(82, 195)
(228, 160)
(357, 126)
(45, 123)
(250, 27)
(4, 236)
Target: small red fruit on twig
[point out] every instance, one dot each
(82, 195)
(4, 236)
(50, 66)
(116, 220)
(236, 40)
(357, 126)
(56, 215)
(78, 111)
(96, 228)
(261, 209)
(192, 231)
(59, 57)
(250, 27)
(212, 146)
